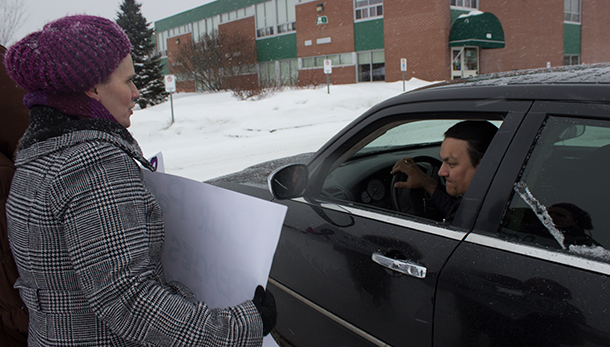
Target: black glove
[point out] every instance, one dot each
(265, 304)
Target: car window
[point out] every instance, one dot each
(560, 199)
(362, 175)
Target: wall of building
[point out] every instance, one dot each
(533, 32)
(418, 31)
(173, 48)
(595, 31)
(340, 28)
(245, 30)
(242, 27)
(242, 82)
(340, 31)
(316, 77)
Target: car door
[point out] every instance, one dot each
(536, 268)
(348, 270)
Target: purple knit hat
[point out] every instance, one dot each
(69, 55)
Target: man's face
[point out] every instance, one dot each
(118, 93)
(457, 168)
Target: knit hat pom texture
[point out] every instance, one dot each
(69, 55)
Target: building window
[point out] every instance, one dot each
(286, 16)
(199, 29)
(289, 72)
(267, 74)
(571, 10)
(265, 20)
(318, 62)
(371, 66)
(212, 24)
(465, 3)
(286, 27)
(205, 26)
(162, 42)
(571, 59)
(365, 9)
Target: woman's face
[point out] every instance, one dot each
(118, 92)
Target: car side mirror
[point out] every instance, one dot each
(289, 181)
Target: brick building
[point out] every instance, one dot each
(365, 40)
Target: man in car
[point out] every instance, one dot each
(461, 152)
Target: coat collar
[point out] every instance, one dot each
(51, 130)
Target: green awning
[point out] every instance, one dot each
(477, 28)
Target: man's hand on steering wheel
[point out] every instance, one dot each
(416, 178)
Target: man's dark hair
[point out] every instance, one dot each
(477, 133)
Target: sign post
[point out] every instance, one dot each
(403, 68)
(328, 69)
(170, 87)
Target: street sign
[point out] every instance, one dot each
(328, 66)
(170, 83)
(170, 87)
(403, 64)
(403, 68)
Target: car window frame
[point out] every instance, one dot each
(514, 110)
(498, 197)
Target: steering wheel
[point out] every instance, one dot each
(413, 201)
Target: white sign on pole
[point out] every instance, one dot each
(170, 83)
(328, 66)
(403, 64)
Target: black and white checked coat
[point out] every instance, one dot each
(87, 236)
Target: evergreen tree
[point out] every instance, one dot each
(149, 77)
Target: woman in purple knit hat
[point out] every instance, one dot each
(86, 233)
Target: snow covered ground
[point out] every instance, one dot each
(216, 134)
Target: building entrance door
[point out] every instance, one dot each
(464, 62)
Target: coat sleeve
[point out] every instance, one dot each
(114, 234)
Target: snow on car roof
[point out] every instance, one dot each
(571, 74)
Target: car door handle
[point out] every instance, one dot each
(399, 265)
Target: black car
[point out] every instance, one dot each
(360, 263)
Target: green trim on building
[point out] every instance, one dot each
(368, 35)
(277, 48)
(571, 38)
(457, 13)
(205, 11)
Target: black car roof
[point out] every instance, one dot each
(572, 74)
(566, 83)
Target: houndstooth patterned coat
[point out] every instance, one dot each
(87, 236)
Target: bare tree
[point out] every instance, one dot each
(239, 55)
(199, 62)
(12, 17)
(215, 60)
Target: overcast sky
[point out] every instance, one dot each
(40, 12)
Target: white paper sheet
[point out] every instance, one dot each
(218, 242)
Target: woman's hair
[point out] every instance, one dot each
(69, 55)
(477, 133)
